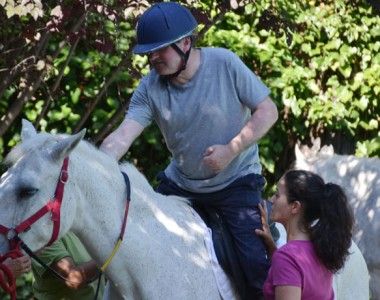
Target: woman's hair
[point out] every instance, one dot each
(326, 214)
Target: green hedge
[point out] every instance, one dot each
(321, 60)
(323, 68)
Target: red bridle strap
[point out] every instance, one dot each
(3, 230)
(53, 206)
(7, 280)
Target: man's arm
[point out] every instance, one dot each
(76, 276)
(217, 157)
(262, 119)
(118, 142)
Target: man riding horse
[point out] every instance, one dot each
(211, 109)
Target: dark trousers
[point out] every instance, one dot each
(238, 205)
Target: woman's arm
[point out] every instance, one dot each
(287, 292)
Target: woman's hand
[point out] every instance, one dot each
(265, 233)
(19, 265)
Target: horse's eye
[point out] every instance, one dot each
(27, 192)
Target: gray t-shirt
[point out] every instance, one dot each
(210, 109)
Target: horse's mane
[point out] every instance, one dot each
(43, 142)
(138, 179)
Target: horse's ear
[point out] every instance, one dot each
(301, 160)
(27, 130)
(327, 150)
(66, 145)
(298, 153)
(316, 144)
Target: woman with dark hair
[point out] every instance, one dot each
(318, 222)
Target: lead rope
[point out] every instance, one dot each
(54, 272)
(7, 279)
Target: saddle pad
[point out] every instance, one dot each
(223, 282)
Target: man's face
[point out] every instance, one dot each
(166, 60)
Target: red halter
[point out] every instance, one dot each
(53, 206)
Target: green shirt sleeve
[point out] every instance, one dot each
(50, 255)
(47, 287)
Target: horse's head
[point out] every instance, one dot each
(30, 181)
(307, 158)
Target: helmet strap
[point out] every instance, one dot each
(184, 56)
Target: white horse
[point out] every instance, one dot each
(163, 254)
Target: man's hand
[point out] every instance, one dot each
(217, 157)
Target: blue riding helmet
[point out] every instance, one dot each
(161, 25)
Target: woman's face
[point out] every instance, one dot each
(281, 209)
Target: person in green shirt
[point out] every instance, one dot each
(69, 258)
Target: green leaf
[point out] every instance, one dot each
(75, 94)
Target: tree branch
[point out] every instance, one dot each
(111, 123)
(9, 78)
(17, 105)
(32, 83)
(51, 94)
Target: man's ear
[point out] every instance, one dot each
(187, 43)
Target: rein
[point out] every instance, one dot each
(121, 235)
(7, 279)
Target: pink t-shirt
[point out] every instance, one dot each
(296, 264)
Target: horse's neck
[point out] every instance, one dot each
(101, 200)
(100, 196)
